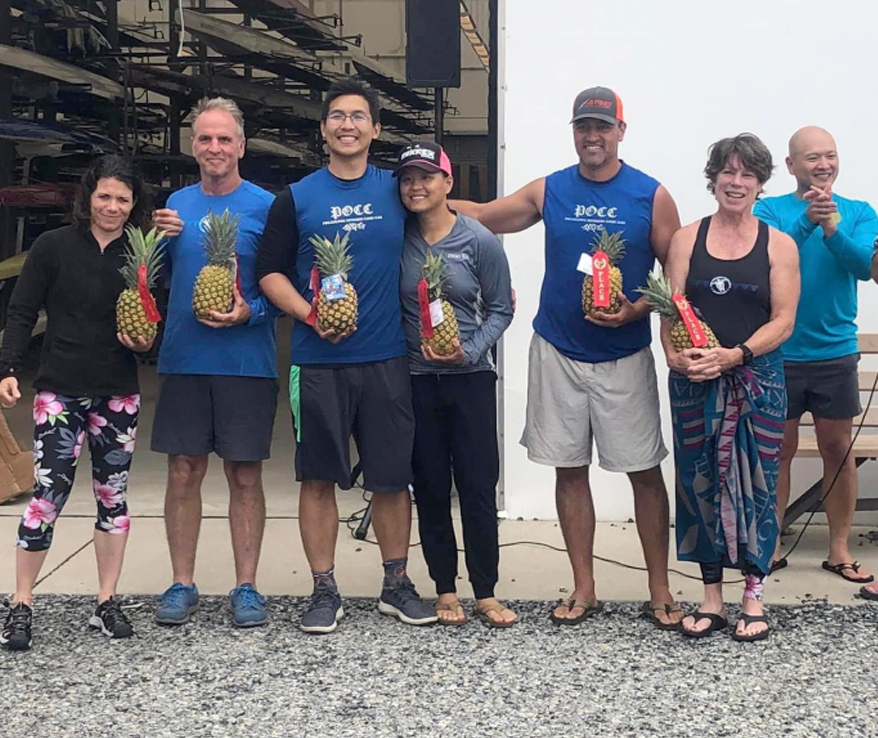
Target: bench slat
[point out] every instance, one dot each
(866, 380)
(871, 419)
(866, 445)
(868, 343)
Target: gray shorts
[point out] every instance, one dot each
(614, 402)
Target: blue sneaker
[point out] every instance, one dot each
(248, 606)
(176, 604)
(403, 601)
(324, 611)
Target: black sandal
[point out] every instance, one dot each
(717, 622)
(841, 568)
(648, 610)
(589, 610)
(748, 621)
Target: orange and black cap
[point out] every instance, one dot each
(598, 102)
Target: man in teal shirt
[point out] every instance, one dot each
(835, 237)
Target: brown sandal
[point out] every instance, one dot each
(452, 606)
(481, 612)
(650, 610)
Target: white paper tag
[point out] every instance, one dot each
(436, 314)
(584, 265)
(333, 287)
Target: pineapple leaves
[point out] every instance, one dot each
(332, 257)
(143, 249)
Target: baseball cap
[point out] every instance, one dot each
(598, 102)
(430, 157)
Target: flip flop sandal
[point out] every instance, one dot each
(648, 610)
(589, 611)
(868, 594)
(717, 622)
(841, 568)
(778, 564)
(748, 621)
(482, 614)
(451, 607)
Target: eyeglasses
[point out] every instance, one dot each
(338, 117)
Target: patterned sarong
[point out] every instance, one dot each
(727, 437)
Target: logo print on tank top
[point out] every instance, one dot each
(720, 285)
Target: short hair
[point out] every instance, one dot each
(113, 166)
(350, 86)
(754, 156)
(223, 104)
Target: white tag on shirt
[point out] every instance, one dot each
(584, 265)
(436, 314)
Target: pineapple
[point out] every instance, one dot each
(433, 271)
(136, 313)
(332, 258)
(614, 247)
(660, 297)
(213, 286)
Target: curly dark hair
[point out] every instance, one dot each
(347, 86)
(754, 155)
(113, 166)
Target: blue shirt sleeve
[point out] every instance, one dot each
(854, 250)
(800, 230)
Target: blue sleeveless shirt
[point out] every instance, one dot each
(575, 210)
(369, 210)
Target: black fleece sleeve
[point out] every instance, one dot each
(279, 244)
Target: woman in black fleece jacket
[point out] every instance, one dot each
(86, 385)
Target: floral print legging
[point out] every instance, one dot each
(61, 426)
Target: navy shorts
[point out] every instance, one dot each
(371, 403)
(198, 414)
(827, 389)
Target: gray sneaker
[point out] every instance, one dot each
(403, 601)
(323, 612)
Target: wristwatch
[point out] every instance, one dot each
(748, 354)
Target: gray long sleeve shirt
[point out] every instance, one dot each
(479, 288)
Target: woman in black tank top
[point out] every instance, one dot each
(728, 404)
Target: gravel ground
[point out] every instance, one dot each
(615, 675)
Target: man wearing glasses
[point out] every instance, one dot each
(355, 382)
(593, 378)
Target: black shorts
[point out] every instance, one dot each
(827, 389)
(371, 402)
(198, 414)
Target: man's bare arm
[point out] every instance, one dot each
(665, 223)
(510, 214)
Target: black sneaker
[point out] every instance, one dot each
(403, 601)
(323, 612)
(16, 634)
(111, 621)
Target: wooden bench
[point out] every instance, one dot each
(9, 269)
(865, 445)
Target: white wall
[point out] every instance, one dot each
(689, 72)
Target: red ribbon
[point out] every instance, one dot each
(601, 280)
(146, 298)
(315, 289)
(424, 306)
(693, 325)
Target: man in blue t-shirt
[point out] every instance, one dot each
(593, 378)
(219, 375)
(835, 237)
(355, 383)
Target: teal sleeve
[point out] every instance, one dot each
(800, 231)
(854, 250)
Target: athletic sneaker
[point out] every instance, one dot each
(16, 634)
(403, 601)
(248, 607)
(323, 612)
(111, 621)
(176, 604)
